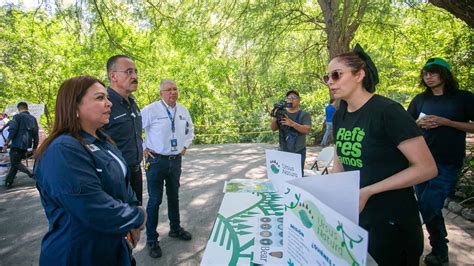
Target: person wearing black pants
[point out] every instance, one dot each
(377, 137)
(136, 181)
(23, 134)
(16, 155)
(125, 124)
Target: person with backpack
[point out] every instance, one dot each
(293, 126)
(23, 134)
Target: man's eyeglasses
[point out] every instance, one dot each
(129, 72)
(292, 97)
(170, 90)
(335, 76)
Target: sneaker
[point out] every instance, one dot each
(181, 234)
(154, 249)
(436, 260)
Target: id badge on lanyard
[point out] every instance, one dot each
(174, 145)
(173, 141)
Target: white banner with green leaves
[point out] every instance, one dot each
(315, 232)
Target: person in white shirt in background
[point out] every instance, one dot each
(169, 131)
(3, 129)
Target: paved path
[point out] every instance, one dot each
(206, 167)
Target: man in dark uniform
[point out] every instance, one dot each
(23, 134)
(125, 124)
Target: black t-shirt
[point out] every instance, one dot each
(367, 140)
(447, 144)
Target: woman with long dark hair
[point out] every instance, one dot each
(376, 136)
(83, 182)
(443, 112)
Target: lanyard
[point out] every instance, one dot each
(171, 117)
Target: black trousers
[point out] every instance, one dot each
(136, 181)
(16, 155)
(392, 243)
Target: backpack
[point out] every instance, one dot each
(290, 135)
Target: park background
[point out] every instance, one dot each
(232, 60)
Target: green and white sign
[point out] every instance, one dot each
(316, 233)
(282, 167)
(233, 236)
(308, 221)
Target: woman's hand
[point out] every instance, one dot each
(142, 227)
(134, 236)
(432, 121)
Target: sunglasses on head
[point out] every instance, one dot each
(335, 76)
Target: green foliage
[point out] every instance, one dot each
(232, 60)
(401, 39)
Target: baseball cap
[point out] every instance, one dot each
(292, 91)
(437, 61)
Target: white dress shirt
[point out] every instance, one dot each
(157, 125)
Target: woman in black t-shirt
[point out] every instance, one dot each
(376, 136)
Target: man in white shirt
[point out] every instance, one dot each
(169, 131)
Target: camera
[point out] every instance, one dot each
(279, 110)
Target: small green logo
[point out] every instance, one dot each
(274, 166)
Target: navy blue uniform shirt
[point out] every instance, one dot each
(88, 202)
(125, 127)
(23, 131)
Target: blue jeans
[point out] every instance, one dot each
(160, 172)
(326, 133)
(431, 197)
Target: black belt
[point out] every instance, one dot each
(168, 157)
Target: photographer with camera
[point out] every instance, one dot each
(292, 123)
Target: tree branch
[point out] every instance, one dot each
(115, 43)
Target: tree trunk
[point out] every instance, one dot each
(341, 21)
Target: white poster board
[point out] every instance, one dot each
(240, 218)
(315, 232)
(308, 221)
(282, 167)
